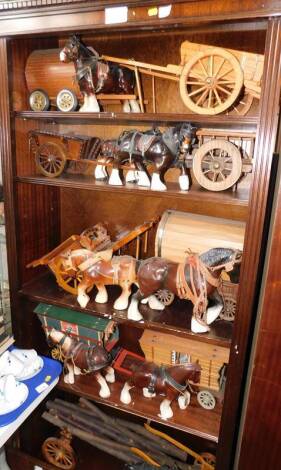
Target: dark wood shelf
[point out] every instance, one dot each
(127, 118)
(194, 420)
(196, 193)
(175, 319)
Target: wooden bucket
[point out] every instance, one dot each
(179, 231)
(44, 70)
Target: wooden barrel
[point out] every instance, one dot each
(179, 231)
(44, 70)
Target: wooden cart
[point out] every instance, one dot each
(212, 80)
(70, 279)
(52, 150)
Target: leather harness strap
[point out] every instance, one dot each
(162, 373)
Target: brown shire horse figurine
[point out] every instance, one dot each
(161, 149)
(95, 75)
(81, 358)
(196, 279)
(168, 381)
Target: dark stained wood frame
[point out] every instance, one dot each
(49, 20)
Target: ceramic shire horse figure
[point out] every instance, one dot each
(162, 150)
(82, 358)
(196, 279)
(168, 381)
(95, 75)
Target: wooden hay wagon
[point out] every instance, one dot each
(53, 150)
(95, 239)
(212, 80)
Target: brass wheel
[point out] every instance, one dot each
(211, 82)
(59, 453)
(39, 100)
(50, 159)
(66, 101)
(217, 165)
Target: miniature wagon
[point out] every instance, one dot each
(52, 150)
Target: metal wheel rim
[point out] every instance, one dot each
(39, 101)
(66, 101)
(213, 84)
(206, 400)
(50, 159)
(228, 160)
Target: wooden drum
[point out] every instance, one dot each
(45, 71)
(179, 231)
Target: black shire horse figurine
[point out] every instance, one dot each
(95, 75)
(162, 150)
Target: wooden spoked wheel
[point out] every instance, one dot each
(217, 165)
(50, 159)
(59, 453)
(229, 309)
(68, 279)
(242, 105)
(165, 296)
(208, 458)
(211, 82)
(206, 399)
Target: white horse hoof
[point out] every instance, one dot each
(100, 172)
(120, 304)
(110, 378)
(156, 183)
(196, 327)
(154, 303)
(134, 315)
(147, 394)
(104, 393)
(166, 414)
(134, 105)
(69, 379)
(184, 182)
(213, 313)
(83, 300)
(125, 398)
(101, 298)
(143, 179)
(131, 176)
(184, 400)
(115, 179)
(126, 106)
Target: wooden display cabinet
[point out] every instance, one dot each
(42, 212)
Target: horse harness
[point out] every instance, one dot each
(198, 296)
(102, 72)
(162, 374)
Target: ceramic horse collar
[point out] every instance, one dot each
(80, 358)
(95, 75)
(196, 280)
(171, 382)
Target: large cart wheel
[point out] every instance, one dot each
(242, 105)
(165, 296)
(211, 81)
(39, 100)
(66, 101)
(50, 159)
(59, 453)
(68, 280)
(217, 165)
(206, 399)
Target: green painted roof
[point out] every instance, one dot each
(72, 316)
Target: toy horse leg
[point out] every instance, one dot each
(82, 297)
(122, 302)
(104, 389)
(197, 327)
(100, 172)
(213, 312)
(156, 183)
(90, 105)
(133, 310)
(147, 394)
(102, 296)
(110, 375)
(143, 176)
(125, 396)
(184, 179)
(184, 400)
(126, 106)
(115, 179)
(131, 176)
(166, 411)
(134, 105)
(69, 377)
(76, 370)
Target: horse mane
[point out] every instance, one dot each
(216, 256)
(89, 51)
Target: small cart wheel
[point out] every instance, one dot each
(59, 453)
(211, 82)
(208, 458)
(56, 354)
(165, 296)
(50, 159)
(217, 165)
(66, 101)
(39, 100)
(229, 309)
(206, 399)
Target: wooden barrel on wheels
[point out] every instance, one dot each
(180, 231)
(45, 71)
